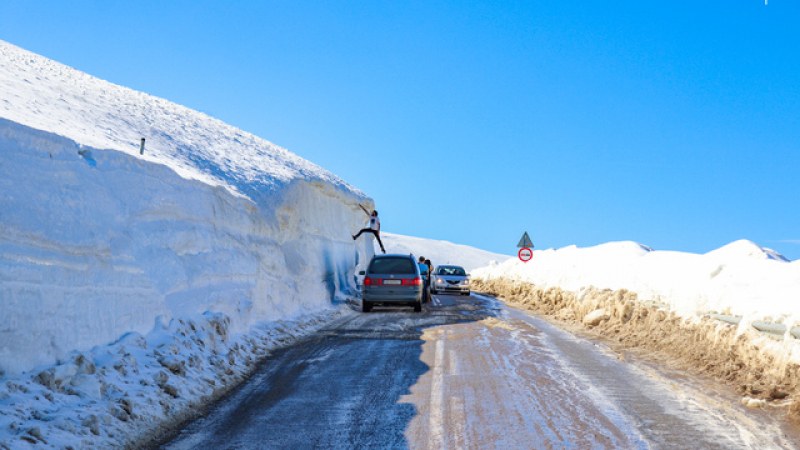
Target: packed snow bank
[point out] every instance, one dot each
(97, 242)
(92, 251)
(662, 301)
(131, 392)
(758, 366)
(739, 278)
(210, 226)
(441, 252)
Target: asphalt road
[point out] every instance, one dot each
(469, 372)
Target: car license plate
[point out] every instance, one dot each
(391, 282)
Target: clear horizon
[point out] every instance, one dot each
(673, 125)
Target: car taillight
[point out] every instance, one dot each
(372, 281)
(412, 282)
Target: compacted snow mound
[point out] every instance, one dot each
(742, 249)
(669, 302)
(130, 392)
(90, 251)
(211, 225)
(98, 240)
(765, 371)
(740, 278)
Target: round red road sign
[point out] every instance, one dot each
(525, 254)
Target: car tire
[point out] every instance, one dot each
(418, 307)
(366, 306)
(433, 291)
(465, 293)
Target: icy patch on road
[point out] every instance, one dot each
(494, 322)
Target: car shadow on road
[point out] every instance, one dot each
(342, 387)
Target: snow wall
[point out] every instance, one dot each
(98, 243)
(740, 278)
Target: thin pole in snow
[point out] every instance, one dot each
(141, 149)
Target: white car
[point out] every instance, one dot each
(450, 279)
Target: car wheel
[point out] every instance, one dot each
(433, 291)
(366, 306)
(418, 307)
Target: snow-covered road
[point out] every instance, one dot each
(469, 372)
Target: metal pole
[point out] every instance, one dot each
(141, 149)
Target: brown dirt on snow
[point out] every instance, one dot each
(709, 346)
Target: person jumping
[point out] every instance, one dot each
(374, 227)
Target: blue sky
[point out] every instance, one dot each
(672, 123)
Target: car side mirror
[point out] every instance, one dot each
(362, 272)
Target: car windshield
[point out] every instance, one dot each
(402, 266)
(450, 270)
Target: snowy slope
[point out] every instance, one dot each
(441, 252)
(740, 278)
(46, 95)
(135, 286)
(209, 218)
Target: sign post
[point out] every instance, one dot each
(525, 245)
(525, 241)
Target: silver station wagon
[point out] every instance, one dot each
(392, 280)
(450, 279)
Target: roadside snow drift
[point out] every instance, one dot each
(668, 302)
(210, 236)
(105, 240)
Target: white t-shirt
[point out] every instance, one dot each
(375, 223)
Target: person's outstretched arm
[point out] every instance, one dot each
(364, 209)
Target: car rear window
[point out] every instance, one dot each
(452, 271)
(402, 266)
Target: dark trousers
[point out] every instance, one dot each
(375, 232)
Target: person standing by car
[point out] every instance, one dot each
(423, 268)
(425, 272)
(374, 227)
(430, 267)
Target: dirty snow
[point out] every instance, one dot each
(740, 278)
(667, 302)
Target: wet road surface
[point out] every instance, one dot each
(467, 372)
